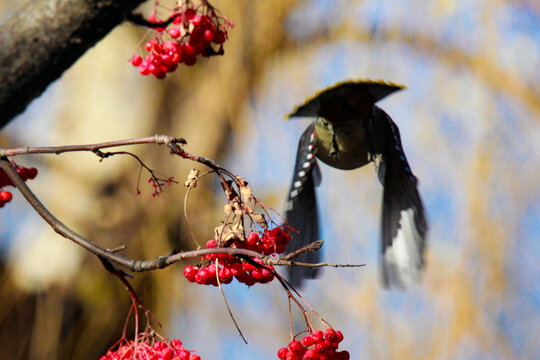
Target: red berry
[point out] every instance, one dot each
(320, 346)
(189, 60)
(159, 72)
(22, 172)
(267, 276)
(149, 45)
(157, 60)
(268, 248)
(5, 196)
(208, 35)
(291, 356)
(136, 60)
(331, 345)
(257, 275)
(32, 173)
(248, 267)
(297, 347)
(344, 355)
(311, 354)
(238, 270)
(168, 61)
(330, 334)
(177, 56)
(248, 280)
(219, 37)
(125, 352)
(212, 269)
(184, 354)
(143, 69)
(174, 32)
(265, 273)
(196, 20)
(317, 335)
(177, 18)
(206, 22)
(190, 14)
(194, 357)
(177, 344)
(170, 47)
(282, 353)
(158, 48)
(307, 340)
(166, 354)
(225, 275)
(253, 239)
(188, 49)
(202, 275)
(223, 258)
(339, 336)
(189, 272)
(171, 67)
(159, 345)
(197, 36)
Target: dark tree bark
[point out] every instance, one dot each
(44, 39)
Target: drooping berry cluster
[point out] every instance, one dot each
(193, 31)
(315, 346)
(143, 350)
(24, 173)
(272, 242)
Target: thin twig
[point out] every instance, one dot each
(118, 249)
(314, 246)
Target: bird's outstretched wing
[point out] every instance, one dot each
(404, 224)
(345, 99)
(302, 207)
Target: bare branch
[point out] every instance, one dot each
(112, 255)
(157, 139)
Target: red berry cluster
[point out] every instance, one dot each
(160, 350)
(272, 242)
(315, 346)
(191, 33)
(24, 173)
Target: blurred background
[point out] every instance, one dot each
(470, 126)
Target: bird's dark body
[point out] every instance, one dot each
(350, 131)
(352, 144)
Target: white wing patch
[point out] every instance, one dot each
(403, 257)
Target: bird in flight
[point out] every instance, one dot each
(349, 132)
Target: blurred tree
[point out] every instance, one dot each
(469, 123)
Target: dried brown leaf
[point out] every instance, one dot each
(191, 181)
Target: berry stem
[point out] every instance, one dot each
(227, 305)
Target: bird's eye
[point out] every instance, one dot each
(322, 122)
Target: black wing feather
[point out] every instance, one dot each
(302, 208)
(404, 224)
